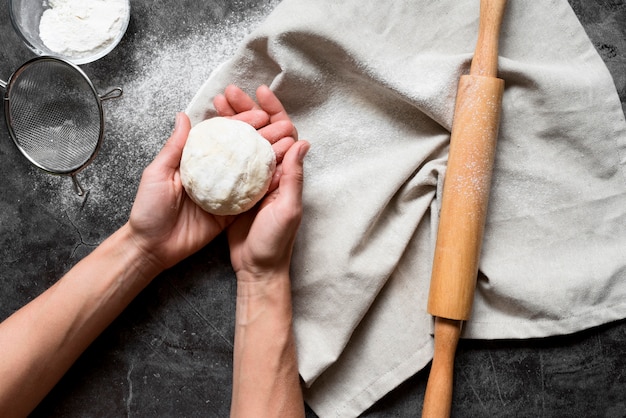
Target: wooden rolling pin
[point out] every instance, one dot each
(464, 205)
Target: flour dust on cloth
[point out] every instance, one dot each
(373, 89)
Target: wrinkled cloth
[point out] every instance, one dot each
(373, 89)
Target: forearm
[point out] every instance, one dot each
(265, 370)
(43, 339)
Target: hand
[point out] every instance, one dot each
(265, 366)
(261, 240)
(165, 223)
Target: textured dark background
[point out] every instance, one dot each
(169, 354)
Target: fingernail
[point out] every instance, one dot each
(304, 149)
(177, 121)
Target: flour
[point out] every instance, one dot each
(137, 124)
(78, 28)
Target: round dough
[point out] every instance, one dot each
(226, 166)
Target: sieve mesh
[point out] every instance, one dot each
(55, 115)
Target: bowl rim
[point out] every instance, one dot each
(85, 59)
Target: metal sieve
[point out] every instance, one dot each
(54, 115)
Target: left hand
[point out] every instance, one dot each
(165, 223)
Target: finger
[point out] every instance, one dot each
(270, 103)
(254, 117)
(275, 180)
(292, 176)
(239, 100)
(281, 147)
(277, 130)
(273, 106)
(221, 105)
(170, 154)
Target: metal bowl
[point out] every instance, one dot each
(26, 17)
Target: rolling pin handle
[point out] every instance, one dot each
(485, 61)
(438, 397)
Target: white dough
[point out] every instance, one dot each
(226, 166)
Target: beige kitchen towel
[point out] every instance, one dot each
(372, 87)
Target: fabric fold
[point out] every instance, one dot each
(373, 90)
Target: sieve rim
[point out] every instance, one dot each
(7, 90)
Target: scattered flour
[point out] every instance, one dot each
(78, 28)
(160, 77)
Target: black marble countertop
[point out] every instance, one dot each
(169, 354)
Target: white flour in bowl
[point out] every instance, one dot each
(78, 28)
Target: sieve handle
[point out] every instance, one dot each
(112, 94)
(77, 187)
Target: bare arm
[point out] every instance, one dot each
(266, 382)
(265, 368)
(42, 340)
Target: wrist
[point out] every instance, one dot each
(265, 365)
(142, 259)
(266, 295)
(262, 275)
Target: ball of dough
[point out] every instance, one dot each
(226, 166)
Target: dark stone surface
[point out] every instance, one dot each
(169, 353)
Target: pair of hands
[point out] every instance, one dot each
(168, 226)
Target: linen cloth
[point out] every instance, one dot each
(372, 87)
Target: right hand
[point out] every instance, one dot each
(261, 240)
